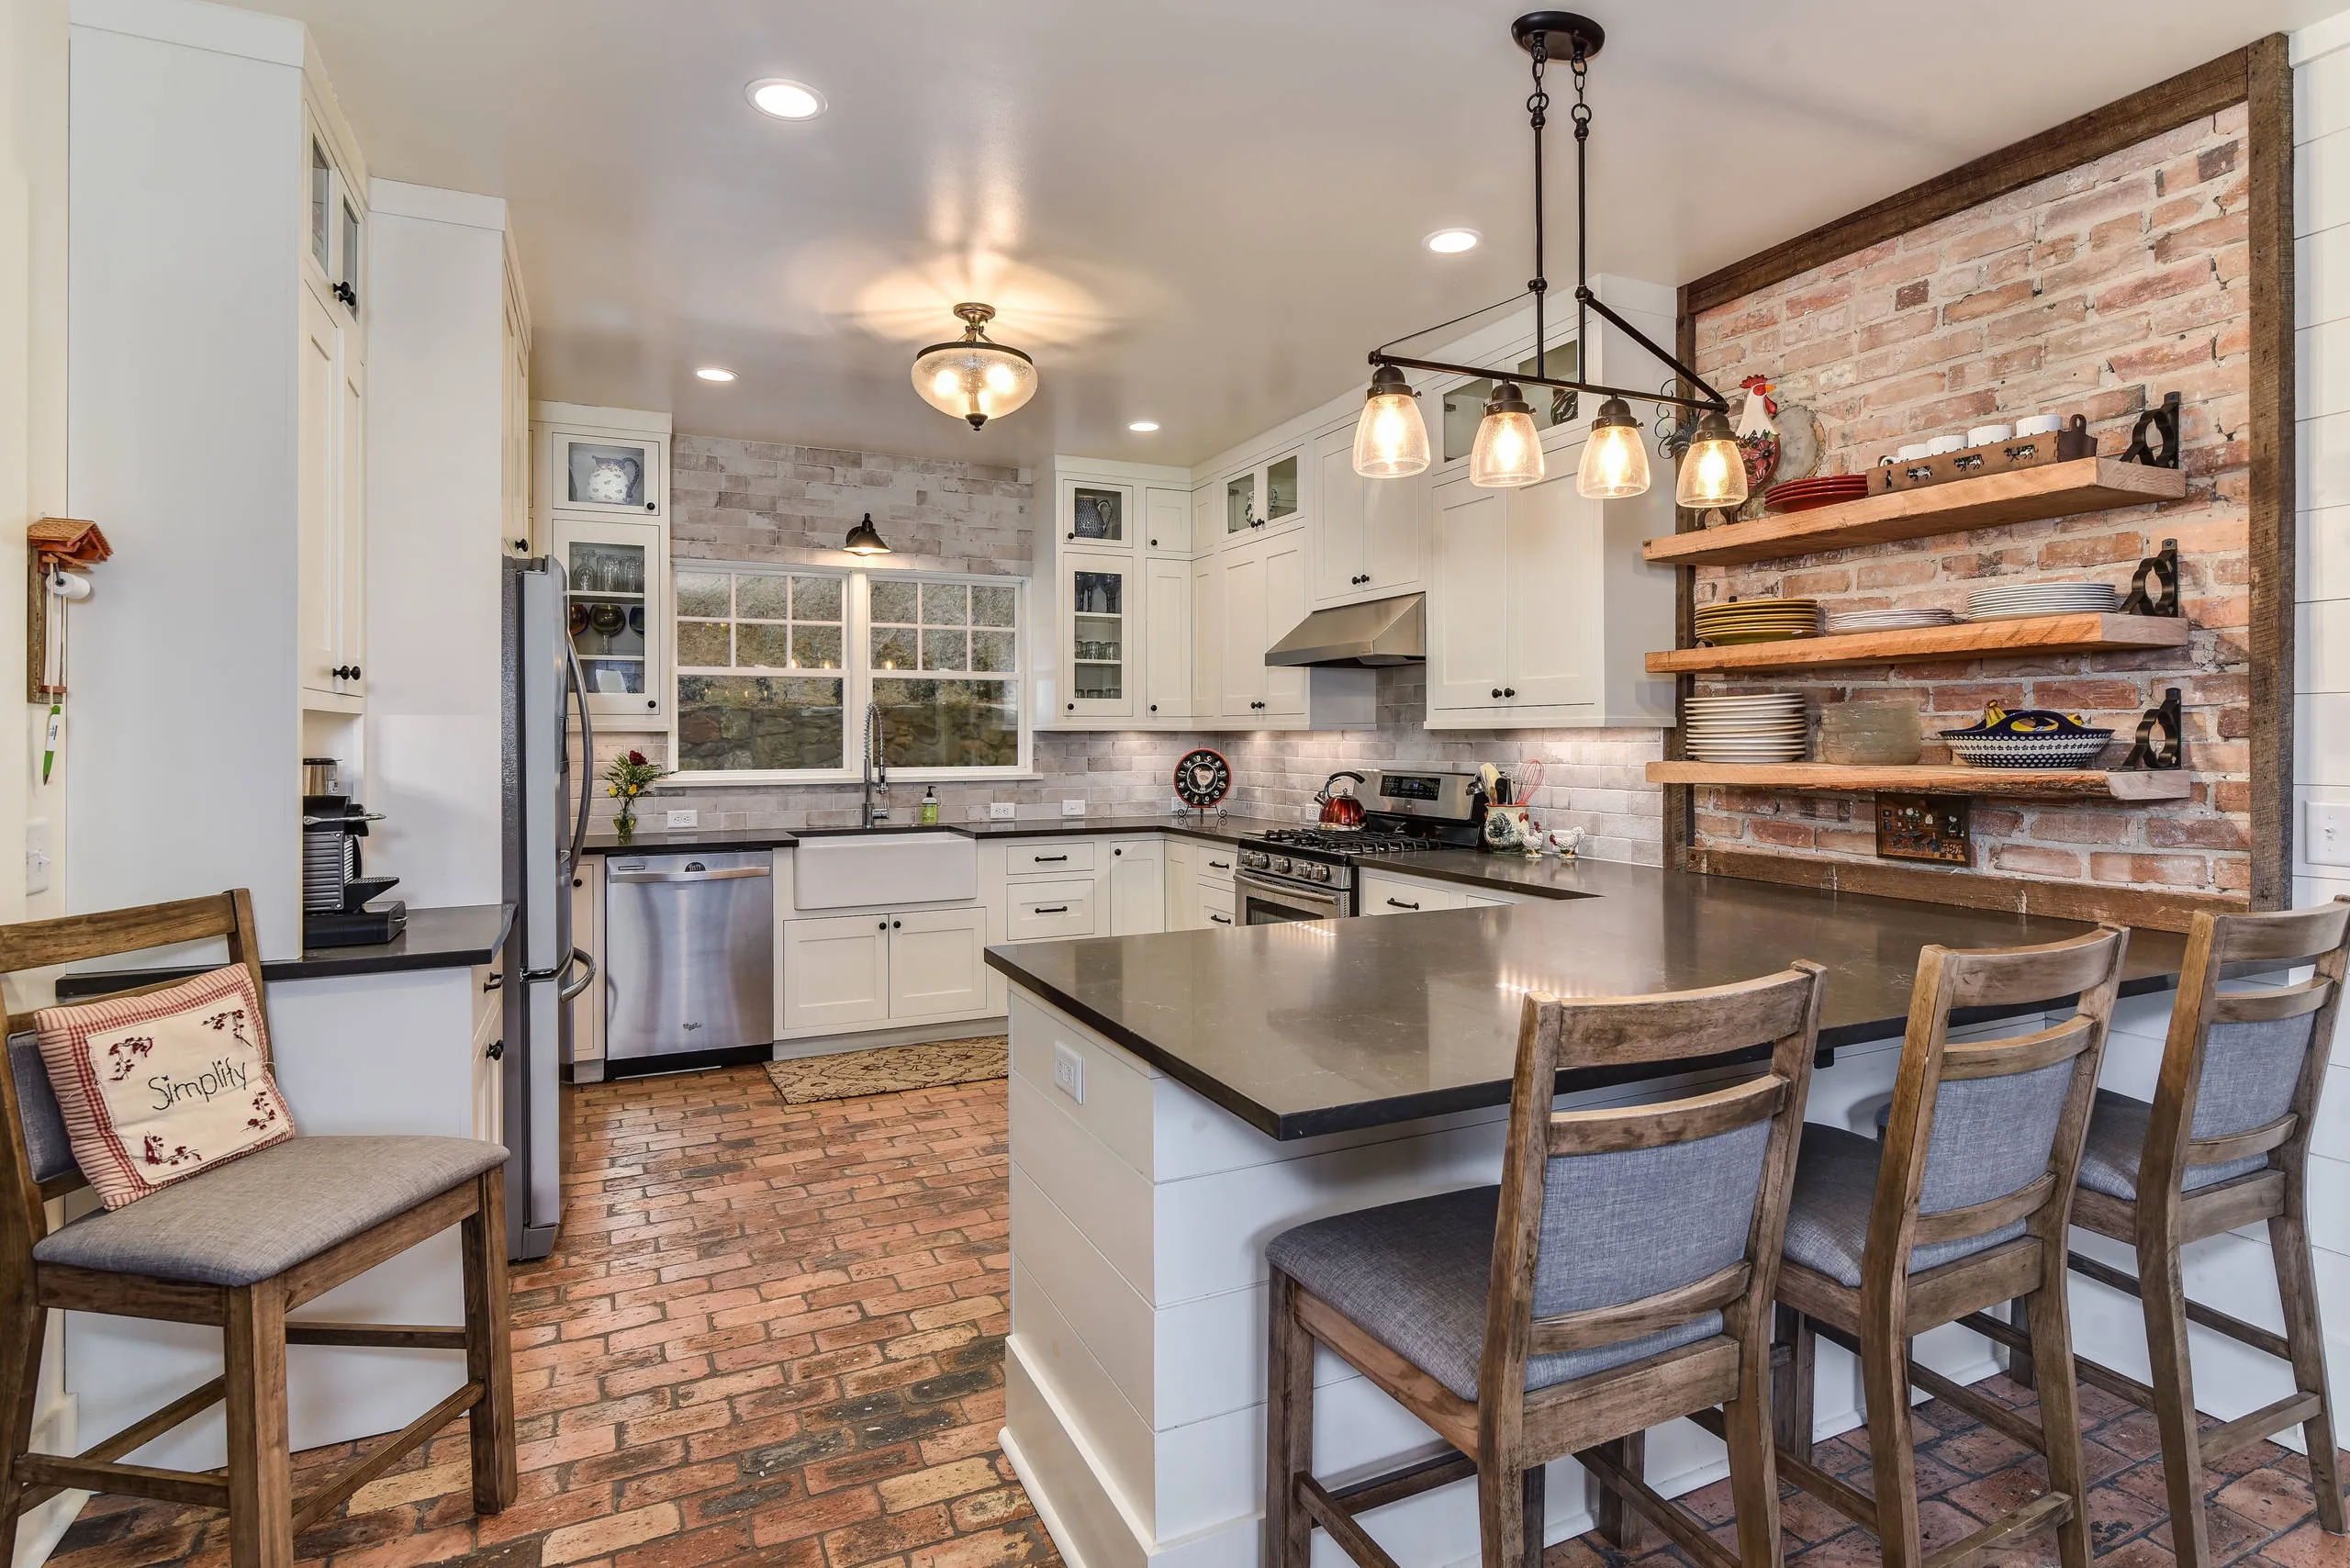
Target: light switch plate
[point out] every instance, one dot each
(37, 855)
(684, 819)
(1072, 808)
(1069, 1072)
(2326, 841)
(1001, 810)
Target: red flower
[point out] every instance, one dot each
(636, 757)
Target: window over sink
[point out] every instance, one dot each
(775, 665)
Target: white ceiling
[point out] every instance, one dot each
(1202, 213)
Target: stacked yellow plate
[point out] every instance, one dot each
(1757, 621)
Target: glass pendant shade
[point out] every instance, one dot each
(1615, 462)
(865, 540)
(1508, 451)
(1713, 472)
(1390, 439)
(973, 378)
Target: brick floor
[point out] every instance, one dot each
(774, 1335)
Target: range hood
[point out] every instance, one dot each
(1359, 636)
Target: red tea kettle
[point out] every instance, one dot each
(1339, 807)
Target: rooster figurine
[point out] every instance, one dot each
(1758, 434)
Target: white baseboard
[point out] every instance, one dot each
(903, 1035)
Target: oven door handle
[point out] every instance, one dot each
(1332, 899)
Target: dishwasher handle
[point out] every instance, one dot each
(728, 874)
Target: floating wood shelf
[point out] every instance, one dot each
(2053, 489)
(1979, 638)
(1954, 778)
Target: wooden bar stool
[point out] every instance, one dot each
(329, 1208)
(2226, 1142)
(1618, 1277)
(1963, 1206)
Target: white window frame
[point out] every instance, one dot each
(856, 649)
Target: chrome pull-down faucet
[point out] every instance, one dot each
(877, 767)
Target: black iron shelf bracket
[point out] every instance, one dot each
(2170, 751)
(2163, 420)
(2162, 566)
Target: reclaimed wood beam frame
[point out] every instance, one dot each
(2260, 76)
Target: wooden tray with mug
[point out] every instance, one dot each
(2070, 441)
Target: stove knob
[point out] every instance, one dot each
(1321, 873)
(1253, 861)
(1281, 863)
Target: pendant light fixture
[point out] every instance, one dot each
(1391, 439)
(972, 377)
(865, 540)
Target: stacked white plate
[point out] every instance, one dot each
(1768, 726)
(2012, 602)
(1886, 620)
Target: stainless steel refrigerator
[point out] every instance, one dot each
(544, 816)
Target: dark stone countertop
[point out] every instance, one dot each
(1304, 1029)
(1224, 829)
(459, 936)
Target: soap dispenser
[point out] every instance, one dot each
(929, 806)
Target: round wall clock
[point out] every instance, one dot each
(1201, 779)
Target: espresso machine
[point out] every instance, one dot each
(340, 907)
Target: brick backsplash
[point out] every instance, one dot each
(745, 500)
(2094, 291)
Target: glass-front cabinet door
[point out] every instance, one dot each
(1268, 496)
(1096, 514)
(617, 606)
(1098, 641)
(604, 472)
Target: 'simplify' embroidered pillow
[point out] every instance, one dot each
(157, 1088)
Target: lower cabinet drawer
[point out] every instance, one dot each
(1040, 909)
(1385, 895)
(1215, 909)
(1051, 857)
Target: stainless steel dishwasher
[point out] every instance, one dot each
(689, 957)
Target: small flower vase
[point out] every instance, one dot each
(624, 825)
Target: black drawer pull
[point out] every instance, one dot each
(1399, 903)
(1221, 919)
(1219, 864)
(1048, 908)
(1046, 859)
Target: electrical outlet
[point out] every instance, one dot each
(689, 818)
(1072, 808)
(1069, 1072)
(37, 855)
(1001, 810)
(2328, 834)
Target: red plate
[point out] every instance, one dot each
(1808, 503)
(1827, 482)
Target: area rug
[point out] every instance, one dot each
(888, 1069)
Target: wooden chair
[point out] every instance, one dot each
(2225, 1143)
(1618, 1277)
(1961, 1207)
(334, 1207)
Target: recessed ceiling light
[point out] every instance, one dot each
(1452, 242)
(785, 99)
(715, 373)
(1143, 427)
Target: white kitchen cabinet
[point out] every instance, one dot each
(1051, 910)
(1101, 620)
(617, 580)
(517, 527)
(1215, 908)
(1553, 548)
(1376, 895)
(331, 425)
(1367, 538)
(1467, 630)
(1265, 498)
(1167, 521)
(1094, 513)
(587, 934)
(936, 963)
(1207, 517)
(603, 472)
(1208, 652)
(1137, 887)
(1262, 599)
(489, 1067)
(835, 972)
(1166, 632)
(1285, 685)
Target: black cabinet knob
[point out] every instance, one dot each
(1509, 691)
(348, 296)
(1154, 544)
(345, 672)
(895, 923)
(1116, 852)
(650, 702)
(1072, 707)
(1497, 691)
(521, 546)
(1154, 706)
(883, 926)
(494, 1050)
(653, 506)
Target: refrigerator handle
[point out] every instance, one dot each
(587, 757)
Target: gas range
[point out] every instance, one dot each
(1409, 812)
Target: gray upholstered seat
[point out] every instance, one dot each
(258, 1216)
(46, 1146)
(1615, 1227)
(2117, 1142)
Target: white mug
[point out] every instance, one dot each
(1985, 435)
(1943, 444)
(1913, 452)
(2040, 424)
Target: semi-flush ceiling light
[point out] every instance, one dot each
(1713, 472)
(785, 99)
(1508, 449)
(1615, 462)
(714, 373)
(1390, 439)
(1452, 242)
(865, 540)
(973, 378)
(1143, 427)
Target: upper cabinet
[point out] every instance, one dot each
(1369, 538)
(603, 508)
(1267, 496)
(1108, 663)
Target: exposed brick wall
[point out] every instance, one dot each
(2094, 291)
(741, 500)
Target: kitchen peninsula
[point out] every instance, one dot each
(1178, 1100)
